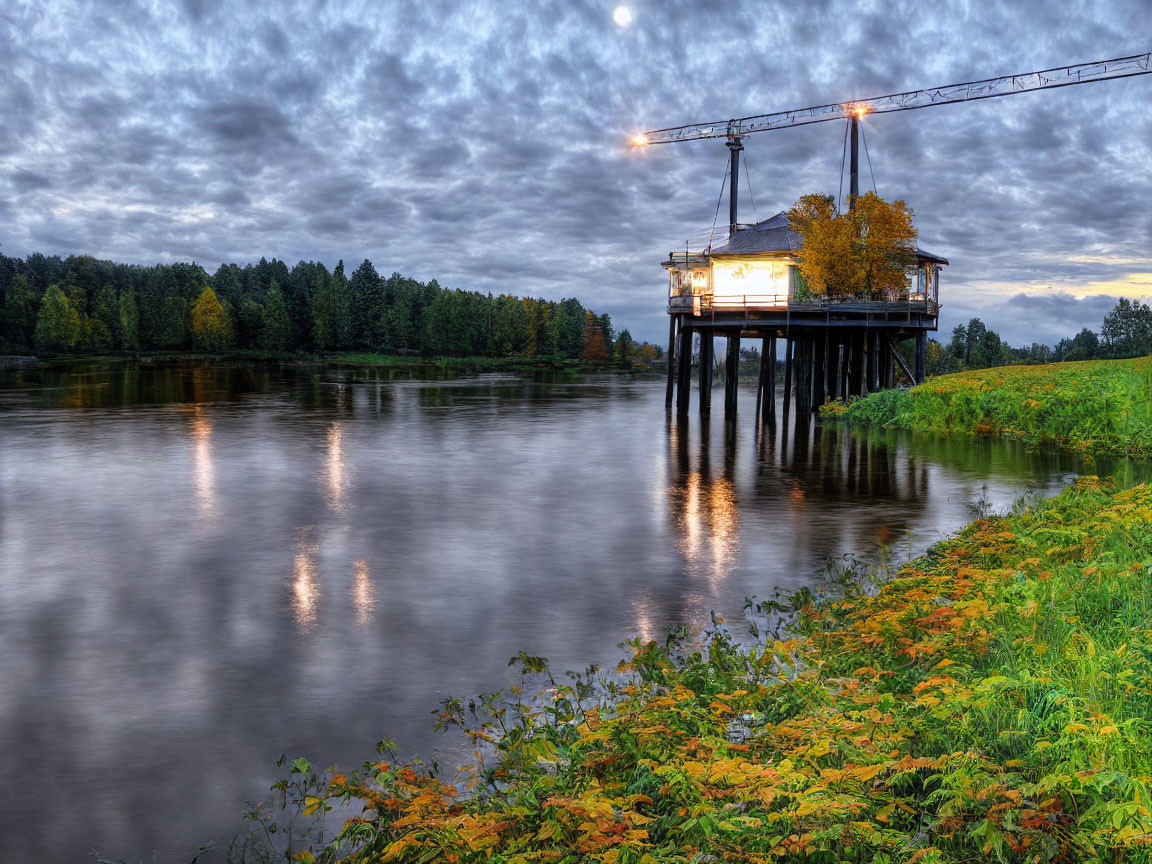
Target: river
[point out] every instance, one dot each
(205, 567)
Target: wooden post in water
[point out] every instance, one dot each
(846, 354)
(732, 374)
(789, 344)
(684, 370)
(832, 367)
(819, 356)
(769, 358)
(856, 383)
(707, 345)
(671, 361)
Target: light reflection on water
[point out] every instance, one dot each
(204, 568)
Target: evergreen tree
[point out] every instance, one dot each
(323, 306)
(367, 306)
(20, 306)
(277, 333)
(342, 305)
(129, 321)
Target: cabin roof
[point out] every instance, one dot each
(774, 235)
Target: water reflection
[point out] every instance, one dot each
(204, 475)
(363, 593)
(335, 477)
(305, 586)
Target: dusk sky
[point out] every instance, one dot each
(486, 144)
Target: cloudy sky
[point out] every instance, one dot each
(485, 144)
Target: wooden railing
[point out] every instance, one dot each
(766, 302)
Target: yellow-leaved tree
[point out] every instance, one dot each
(859, 253)
(211, 327)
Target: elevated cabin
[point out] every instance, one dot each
(756, 271)
(751, 286)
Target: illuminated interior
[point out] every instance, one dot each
(762, 279)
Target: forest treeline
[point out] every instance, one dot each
(82, 304)
(1126, 332)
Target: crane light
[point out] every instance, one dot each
(640, 141)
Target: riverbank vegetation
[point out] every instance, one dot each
(82, 305)
(1125, 332)
(989, 702)
(1098, 407)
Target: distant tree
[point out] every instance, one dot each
(595, 345)
(58, 325)
(19, 319)
(367, 306)
(250, 324)
(172, 329)
(128, 316)
(323, 306)
(277, 332)
(1127, 331)
(1085, 346)
(211, 329)
(624, 346)
(341, 299)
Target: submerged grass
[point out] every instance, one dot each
(1097, 407)
(992, 701)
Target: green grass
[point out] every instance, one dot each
(1095, 407)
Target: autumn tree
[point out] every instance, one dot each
(211, 329)
(861, 252)
(58, 324)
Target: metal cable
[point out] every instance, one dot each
(716, 218)
(864, 138)
(843, 155)
(748, 177)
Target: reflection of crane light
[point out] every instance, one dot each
(363, 593)
(305, 589)
(336, 481)
(202, 459)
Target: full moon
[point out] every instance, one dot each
(622, 15)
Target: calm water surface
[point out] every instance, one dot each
(204, 568)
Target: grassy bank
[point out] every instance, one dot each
(1099, 407)
(991, 701)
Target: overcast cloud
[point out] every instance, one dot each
(484, 144)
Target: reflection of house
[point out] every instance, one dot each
(838, 346)
(756, 270)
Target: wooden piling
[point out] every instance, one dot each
(819, 356)
(671, 361)
(770, 396)
(683, 370)
(789, 344)
(921, 354)
(732, 375)
(707, 347)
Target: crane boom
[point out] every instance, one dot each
(989, 88)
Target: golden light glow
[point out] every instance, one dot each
(204, 476)
(336, 481)
(640, 141)
(710, 525)
(363, 593)
(305, 586)
(750, 278)
(857, 108)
